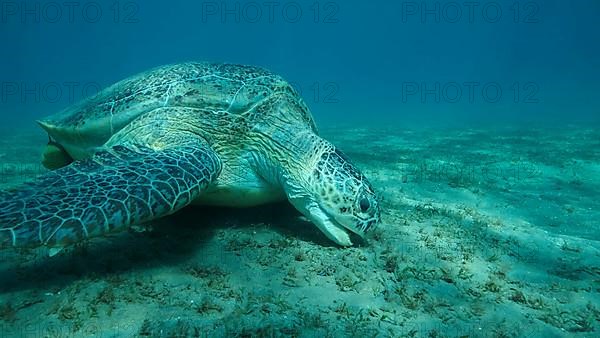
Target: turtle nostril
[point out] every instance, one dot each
(364, 205)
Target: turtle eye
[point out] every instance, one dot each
(364, 205)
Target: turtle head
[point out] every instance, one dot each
(339, 199)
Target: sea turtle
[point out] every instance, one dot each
(205, 133)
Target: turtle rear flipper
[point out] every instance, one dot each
(55, 156)
(116, 188)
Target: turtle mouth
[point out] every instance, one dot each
(332, 228)
(347, 225)
(340, 226)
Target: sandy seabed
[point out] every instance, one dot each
(485, 233)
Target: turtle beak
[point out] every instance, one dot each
(329, 226)
(350, 223)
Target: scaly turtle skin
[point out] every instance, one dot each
(216, 134)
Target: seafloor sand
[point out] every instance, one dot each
(486, 233)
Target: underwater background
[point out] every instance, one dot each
(355, 61)
(477, 123)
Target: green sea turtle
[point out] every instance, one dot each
(213, 134)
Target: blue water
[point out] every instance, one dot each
(476, 122)
(375, 62)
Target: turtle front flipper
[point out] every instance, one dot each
(116, 188)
